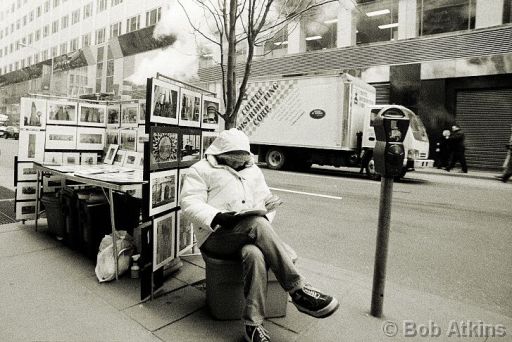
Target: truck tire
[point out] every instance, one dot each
(275, 158)
(370, 170)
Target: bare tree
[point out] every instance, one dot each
(250, 23)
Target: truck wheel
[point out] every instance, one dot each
(370, 170)
(275, 159)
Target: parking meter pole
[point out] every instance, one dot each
(381, 249)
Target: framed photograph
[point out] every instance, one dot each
(184, 234)
(31, 146)
(25, 210)
(164, 102)
(163, 142)
(210, 108)
(163, 239)
(61, 112)
(113, 116)
(162, 191)
(26, 172)
(128, 139)
(141, 138)
(111, 154)
(190, 113)
(142, 112)
(90, 138)
(130, 159)
(139, 161)
(71, 158)
(190, 147)
(52, 183)
(32, 113)
(26, 191)
(53, 158)
(208, 138)
(88, 158)
(112, 137)
(60, 137)
(91, 114)
(129, 114)
(119, 158)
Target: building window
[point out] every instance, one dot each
(56, 3)
(109, 86)
(46, 6)
(55, 26)
(18, 24)
(115, 2)
(99, 67)
(439, 16)
(17, 46)
(73, 45)
(101, 5)
(75, 17)
(31, 16)
(115, 30)
(88, 10)
(133, 24)
(86, 40)
(377, 22)
(24, 20)
(63, 48)
(44, 55)
(153, 16)
(276, 46)
(100, 36)
(22, 63)
(36, 58)
(16, 65)
(55, 51)
(64, 22)
(46, 31)
(38, 11)
(37, 35)
(24, 41)
(30, 38)
(29, 60)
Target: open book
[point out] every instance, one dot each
(252, 212)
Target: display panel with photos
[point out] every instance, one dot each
(141, 138)
(31, 146)
(190, 112)
(89, 138)
(25, 210)
(71, 158)
(162, 191)
(91, 114)
(163, 239)
(142, 112)
(207, 139)
(129, 114)
(62, 112)
(164, 147)
(111, 154)
(53, 158)
(32, 113)
(88, 158)
(113, 115)
(190, 146)
(26, 191)
(185, 234)
(128, 139)
(26, 172)
(61, 137)
(165, 105)
(210, 108)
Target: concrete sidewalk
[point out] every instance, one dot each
(50, 293)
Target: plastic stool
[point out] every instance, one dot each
(225, 289)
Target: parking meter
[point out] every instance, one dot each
(391, 125)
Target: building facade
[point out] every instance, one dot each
(448, 60)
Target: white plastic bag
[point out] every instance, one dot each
(105, 263)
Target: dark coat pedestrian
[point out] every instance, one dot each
(458, 149)
(507, 165)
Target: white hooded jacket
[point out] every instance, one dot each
(210, 188)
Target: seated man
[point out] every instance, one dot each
(225, 182)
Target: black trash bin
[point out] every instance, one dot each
(69, 200)
(94, 221)
(55, 214)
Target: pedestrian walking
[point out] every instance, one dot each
(458, 149)
(442, 152)
(225, 182)
(507, 164)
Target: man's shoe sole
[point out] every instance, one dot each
(325, 312)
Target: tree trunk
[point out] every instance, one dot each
(230, 69)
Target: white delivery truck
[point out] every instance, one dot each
(294, 122)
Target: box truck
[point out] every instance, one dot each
(294, 122)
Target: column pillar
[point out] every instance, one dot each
(346, 33)
(407, 19)
(488, 13)
(296, 37)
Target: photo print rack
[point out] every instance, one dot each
(174, 125)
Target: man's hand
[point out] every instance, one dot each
(272, 202)
(226, 220)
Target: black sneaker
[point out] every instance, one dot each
(256, 334)
(314, 303)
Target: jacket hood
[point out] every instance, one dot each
(229, 140)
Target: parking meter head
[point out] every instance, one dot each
(391, 125)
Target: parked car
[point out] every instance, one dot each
(12, 132)
(2, 131)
